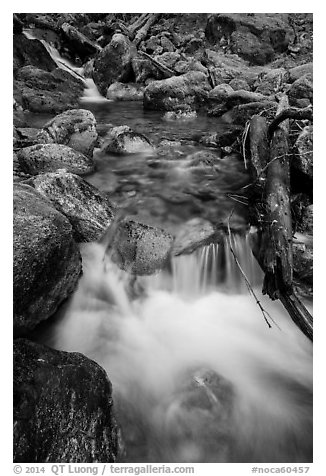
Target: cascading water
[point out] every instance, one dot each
(197, 374)
(91, 92)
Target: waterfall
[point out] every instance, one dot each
(197, 375)
(91, 92)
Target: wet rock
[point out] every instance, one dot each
(194, 234)
(63, 408)
(123, 140)
(113, 63)
(238, 83)
(138, 248)
(199, 418)
(47, 262)
(41, 91)
(302, 88)
(51, 157)
(75, 128)
(177, 92)
(31, 52)
(125, 92)
(271, 82)
(298, 71)
(88, 210)
(254, 37)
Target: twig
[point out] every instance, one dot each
(250, 288)
(244, 138)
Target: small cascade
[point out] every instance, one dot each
(91, 93)
(211, 267)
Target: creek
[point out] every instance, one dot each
(197, 374)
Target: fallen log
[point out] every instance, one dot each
(270, 161)
(138, 23)
(167, 72)
(142, 33)
(276, 244)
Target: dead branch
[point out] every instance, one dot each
(289, 113)
(167, 72)
(248, 284)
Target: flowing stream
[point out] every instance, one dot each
(197, 374)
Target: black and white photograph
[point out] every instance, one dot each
(162, 240)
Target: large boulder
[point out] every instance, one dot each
(31, 52)
(41, 91)
(63, 408)
(254, 36)
(113, 63)
(88, 210)
(123, 140)
(75, 128)
(47, 262)
(178, 92)
(138, 248)
(41, 158)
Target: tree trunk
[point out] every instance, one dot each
(269, 163)
(142, 33)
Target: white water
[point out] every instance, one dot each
(91, 93)
(253, 405)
